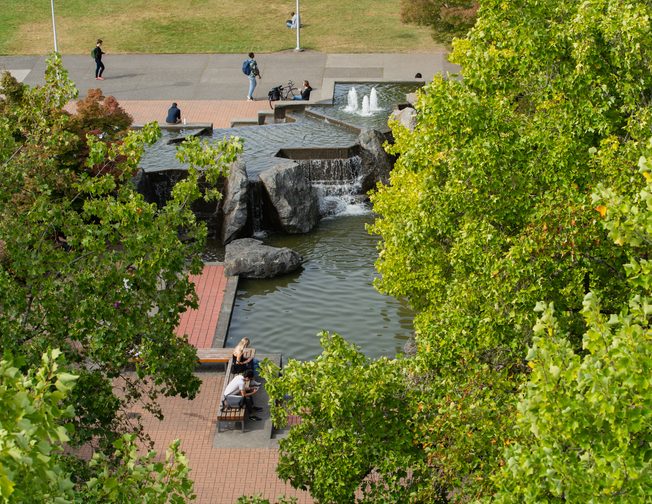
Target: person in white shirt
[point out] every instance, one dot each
(240, 385)
(292, 23)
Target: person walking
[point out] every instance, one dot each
(97, 54)
(250, 69)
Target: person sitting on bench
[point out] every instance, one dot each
(240, 385)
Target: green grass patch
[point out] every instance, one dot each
(207, 26)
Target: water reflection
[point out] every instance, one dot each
(333, 292)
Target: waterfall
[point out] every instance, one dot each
(352, 101)
(337, 182)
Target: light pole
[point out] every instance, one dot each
(298, 47)
(54, 27)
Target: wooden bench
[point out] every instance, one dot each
(225, 414)
(214, 355)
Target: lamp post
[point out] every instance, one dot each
(54, 27)
(298, 47)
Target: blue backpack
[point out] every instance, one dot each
(246, 67)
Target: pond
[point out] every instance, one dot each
(334, 292)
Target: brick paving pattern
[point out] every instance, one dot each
(220, 475)
(218, 112)
(200, 324)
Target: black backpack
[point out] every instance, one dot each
(274, 94)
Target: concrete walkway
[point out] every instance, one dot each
(175, 77)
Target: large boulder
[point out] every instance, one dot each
(376, 163)
(234, 205)
(406, 117)
(295, 201)
(249, 258)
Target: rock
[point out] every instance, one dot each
(406, 117)
(376, 163)
(249, 258)
(234, 205)
(294, 199)
(411, 98)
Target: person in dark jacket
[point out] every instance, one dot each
(174, 114)
(99, 66)
(305, 92)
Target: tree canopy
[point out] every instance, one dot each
(88, 267)
(496, 205)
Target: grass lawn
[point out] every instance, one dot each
(207, 26)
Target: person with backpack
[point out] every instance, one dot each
(96, 54)
(250, 69)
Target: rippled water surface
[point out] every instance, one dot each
(261, 143)
(389, 94)
(333, 292)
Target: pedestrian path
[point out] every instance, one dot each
(207, 325)
(218, 112)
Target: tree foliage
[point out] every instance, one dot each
(585, 418)
(35, 419)
(86, 264)
(448, 19)
(489, 209)
(352, 435)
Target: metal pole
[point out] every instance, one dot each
(54, 27)
(298, 47)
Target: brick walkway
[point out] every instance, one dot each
(220, 475)
(200, 324)
(218, 112)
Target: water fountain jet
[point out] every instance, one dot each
(366, 109)
(352, 101)
(373, 101)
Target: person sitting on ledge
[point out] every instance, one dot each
(305, 92)
(174, 114)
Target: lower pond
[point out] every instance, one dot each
(334, 292)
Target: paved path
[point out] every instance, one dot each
(206, 326)
(221, 469)
(219, 76)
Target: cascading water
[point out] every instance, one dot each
(338, 185)
(352, 101)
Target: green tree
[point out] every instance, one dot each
(32, 407)
(353, 434)
(35, 415)
(489, 210)
(87, 265)
(584, 417)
